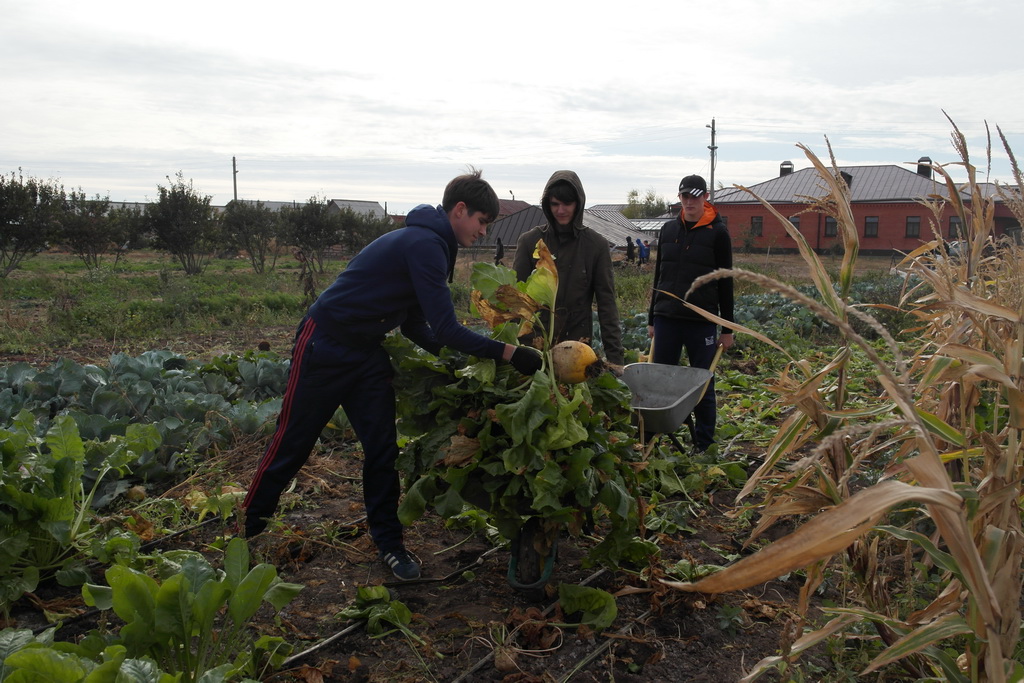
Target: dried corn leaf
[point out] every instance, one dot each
(826, 534)
(970, 354)
(948, 626)
(983, 306)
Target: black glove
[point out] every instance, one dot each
(526, 360)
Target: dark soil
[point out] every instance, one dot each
(464, 605)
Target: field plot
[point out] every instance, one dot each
(859, 515)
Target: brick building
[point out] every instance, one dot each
(884, 199)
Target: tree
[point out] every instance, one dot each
(255, 229)
(748, 238)
(129, 228)
(86, 229)
(314, 229)
(651, 206)
(360, 230)
(184, 225)
(29, 213)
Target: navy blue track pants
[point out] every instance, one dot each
(700, 339)
(323, 375)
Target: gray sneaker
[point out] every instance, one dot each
(401, 563)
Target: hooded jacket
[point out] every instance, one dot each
(584, 274)
(401, 280)
(683, 256)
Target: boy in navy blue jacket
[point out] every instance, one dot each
(400, 280)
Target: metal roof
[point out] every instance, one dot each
(507, 207)
(273, 206)
(612, 216)
(649, 224)
(997, 190)
(360, 206)
(138, 206)
(616, 230)
(877, 184)
(511, 227)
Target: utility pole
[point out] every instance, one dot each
(234, 176)
(714, 153)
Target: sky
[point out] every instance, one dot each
(387, 101)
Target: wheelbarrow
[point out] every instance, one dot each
(664, 396)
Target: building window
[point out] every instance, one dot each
(913, 226)
(956, 228)
(871, 226)
(830, 227)
(795, 220)
(725, 221)
(756, 225)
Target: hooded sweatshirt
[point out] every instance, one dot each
(401, 279)
(584, 273)
(684, 254)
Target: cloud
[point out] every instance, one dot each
(387, 102)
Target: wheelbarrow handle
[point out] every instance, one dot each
(718, 356)
(711, 369)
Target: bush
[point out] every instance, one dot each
(184, 225)
(30, 210)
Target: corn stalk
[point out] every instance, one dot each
(945, 431)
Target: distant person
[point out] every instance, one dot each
(398, 280)
(643, 251)
(630, 251)
(499, 252)
(584, 267)
(694, 244)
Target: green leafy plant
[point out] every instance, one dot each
(517, 448)
(44, 503)
(730, 618)
(26, 658)
(196, 619)
(383, 615)
(596, 607)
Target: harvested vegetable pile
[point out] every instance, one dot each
(521, 448)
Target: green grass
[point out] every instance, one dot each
(633, 289)
(55, 300)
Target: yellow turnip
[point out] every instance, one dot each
(574, 362)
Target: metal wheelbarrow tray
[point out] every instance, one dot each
(664, 395)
